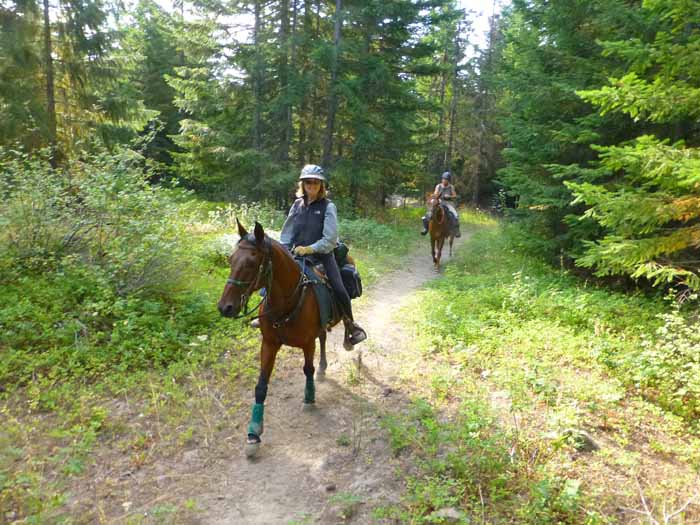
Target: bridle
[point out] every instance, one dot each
(438, 208)
(264, 278)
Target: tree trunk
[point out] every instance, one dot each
(293, 59)
(50, 89)
(441, 120)
(453, 103)
(285, 112)
(257, 81)
(453, 115)
(484, 107)
(307, 29)
(359, 119)
(332, 99)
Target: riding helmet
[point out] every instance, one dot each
(312, 171)
(447, 175)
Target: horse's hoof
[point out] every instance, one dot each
(251, 449)
(320, 375)
(308, 407)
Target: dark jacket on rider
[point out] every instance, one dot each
(316, 225)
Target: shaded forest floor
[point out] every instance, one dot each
(480, 397)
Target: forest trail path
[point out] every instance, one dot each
(333, 464)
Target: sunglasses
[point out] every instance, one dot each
(312, 181)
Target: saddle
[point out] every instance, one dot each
(315, 273)
(453, 221)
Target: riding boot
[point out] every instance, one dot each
(354, 334)
(425, 225)
(458, 233)
(255, 323)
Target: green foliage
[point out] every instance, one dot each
(519, 354)
(656, 238)
(101, 213)
(549, 52)
(458, 459)
(94, 266)
(666, 365)
(72, 340)
(629, 206)
(514, 299)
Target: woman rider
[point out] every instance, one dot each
(311, 228)
(444, 191)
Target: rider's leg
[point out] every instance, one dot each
(455, 223)
(426, 220)
(353, 332)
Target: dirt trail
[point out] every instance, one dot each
(334, 464)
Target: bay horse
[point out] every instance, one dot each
(289, 314)
(440, 228)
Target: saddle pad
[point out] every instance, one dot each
(323, 294)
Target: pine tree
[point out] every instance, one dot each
(649, 208)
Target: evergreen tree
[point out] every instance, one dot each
(549, 52)
(649, 206)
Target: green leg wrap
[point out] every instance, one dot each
(310, 391)
(255, 426)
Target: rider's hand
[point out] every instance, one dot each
(303, 250)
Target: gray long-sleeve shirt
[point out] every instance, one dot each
(325, 244)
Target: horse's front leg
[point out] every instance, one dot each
(268, 353)
(310, 388)
(322, 363)
(452, 239)
(432, 249)
(440, 244)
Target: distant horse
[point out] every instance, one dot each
(289, 314)
(440, 228)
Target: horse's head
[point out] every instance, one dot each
(437, 210)
(250, 267)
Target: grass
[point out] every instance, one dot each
(517, 364)
(95, 385)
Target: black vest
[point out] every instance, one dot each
(308, 222)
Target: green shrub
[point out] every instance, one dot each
(365, 232)
(224, 216)
(103, 213)
(667, 365)
(98, 272)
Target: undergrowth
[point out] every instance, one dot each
(518, 364)
(108, 313)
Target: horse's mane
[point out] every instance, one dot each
(250, 237)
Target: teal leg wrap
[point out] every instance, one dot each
(310, 391)
(255, 426)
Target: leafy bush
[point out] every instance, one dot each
(102, 213)
(669, 364)
(247, 212)
(365, 232)
(93, 268)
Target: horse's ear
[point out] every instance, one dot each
(259, 233)
(241, 230)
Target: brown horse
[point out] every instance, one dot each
(289, 314)
(440, 229)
